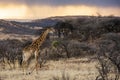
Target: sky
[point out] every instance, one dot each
(38, 9)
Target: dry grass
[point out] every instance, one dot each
(80, 69)
(4, 36)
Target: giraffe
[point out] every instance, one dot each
(34, 48)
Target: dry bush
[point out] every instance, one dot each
(111, 25)
(109, 57)
(11, 50)
(77, 49)
(113, 48)
(106, 69)
(52, 54)
(93, 28)
(70, 48)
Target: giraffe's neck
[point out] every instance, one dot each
(38, 42)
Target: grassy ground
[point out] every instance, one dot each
(78, 69)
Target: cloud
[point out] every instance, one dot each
(47, 11)
(32, 9)
(104, 3)
(12, 11)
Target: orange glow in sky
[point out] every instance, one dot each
(12, 11)
(19, 11)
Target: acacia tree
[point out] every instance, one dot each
(109, 57)
(63, 28)
(63, 45)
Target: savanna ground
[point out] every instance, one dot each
(74, 69)
(91, 43)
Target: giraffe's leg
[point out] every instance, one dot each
(25, 59)
(24, 66)
(36, 66)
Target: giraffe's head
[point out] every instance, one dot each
(51, 30)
